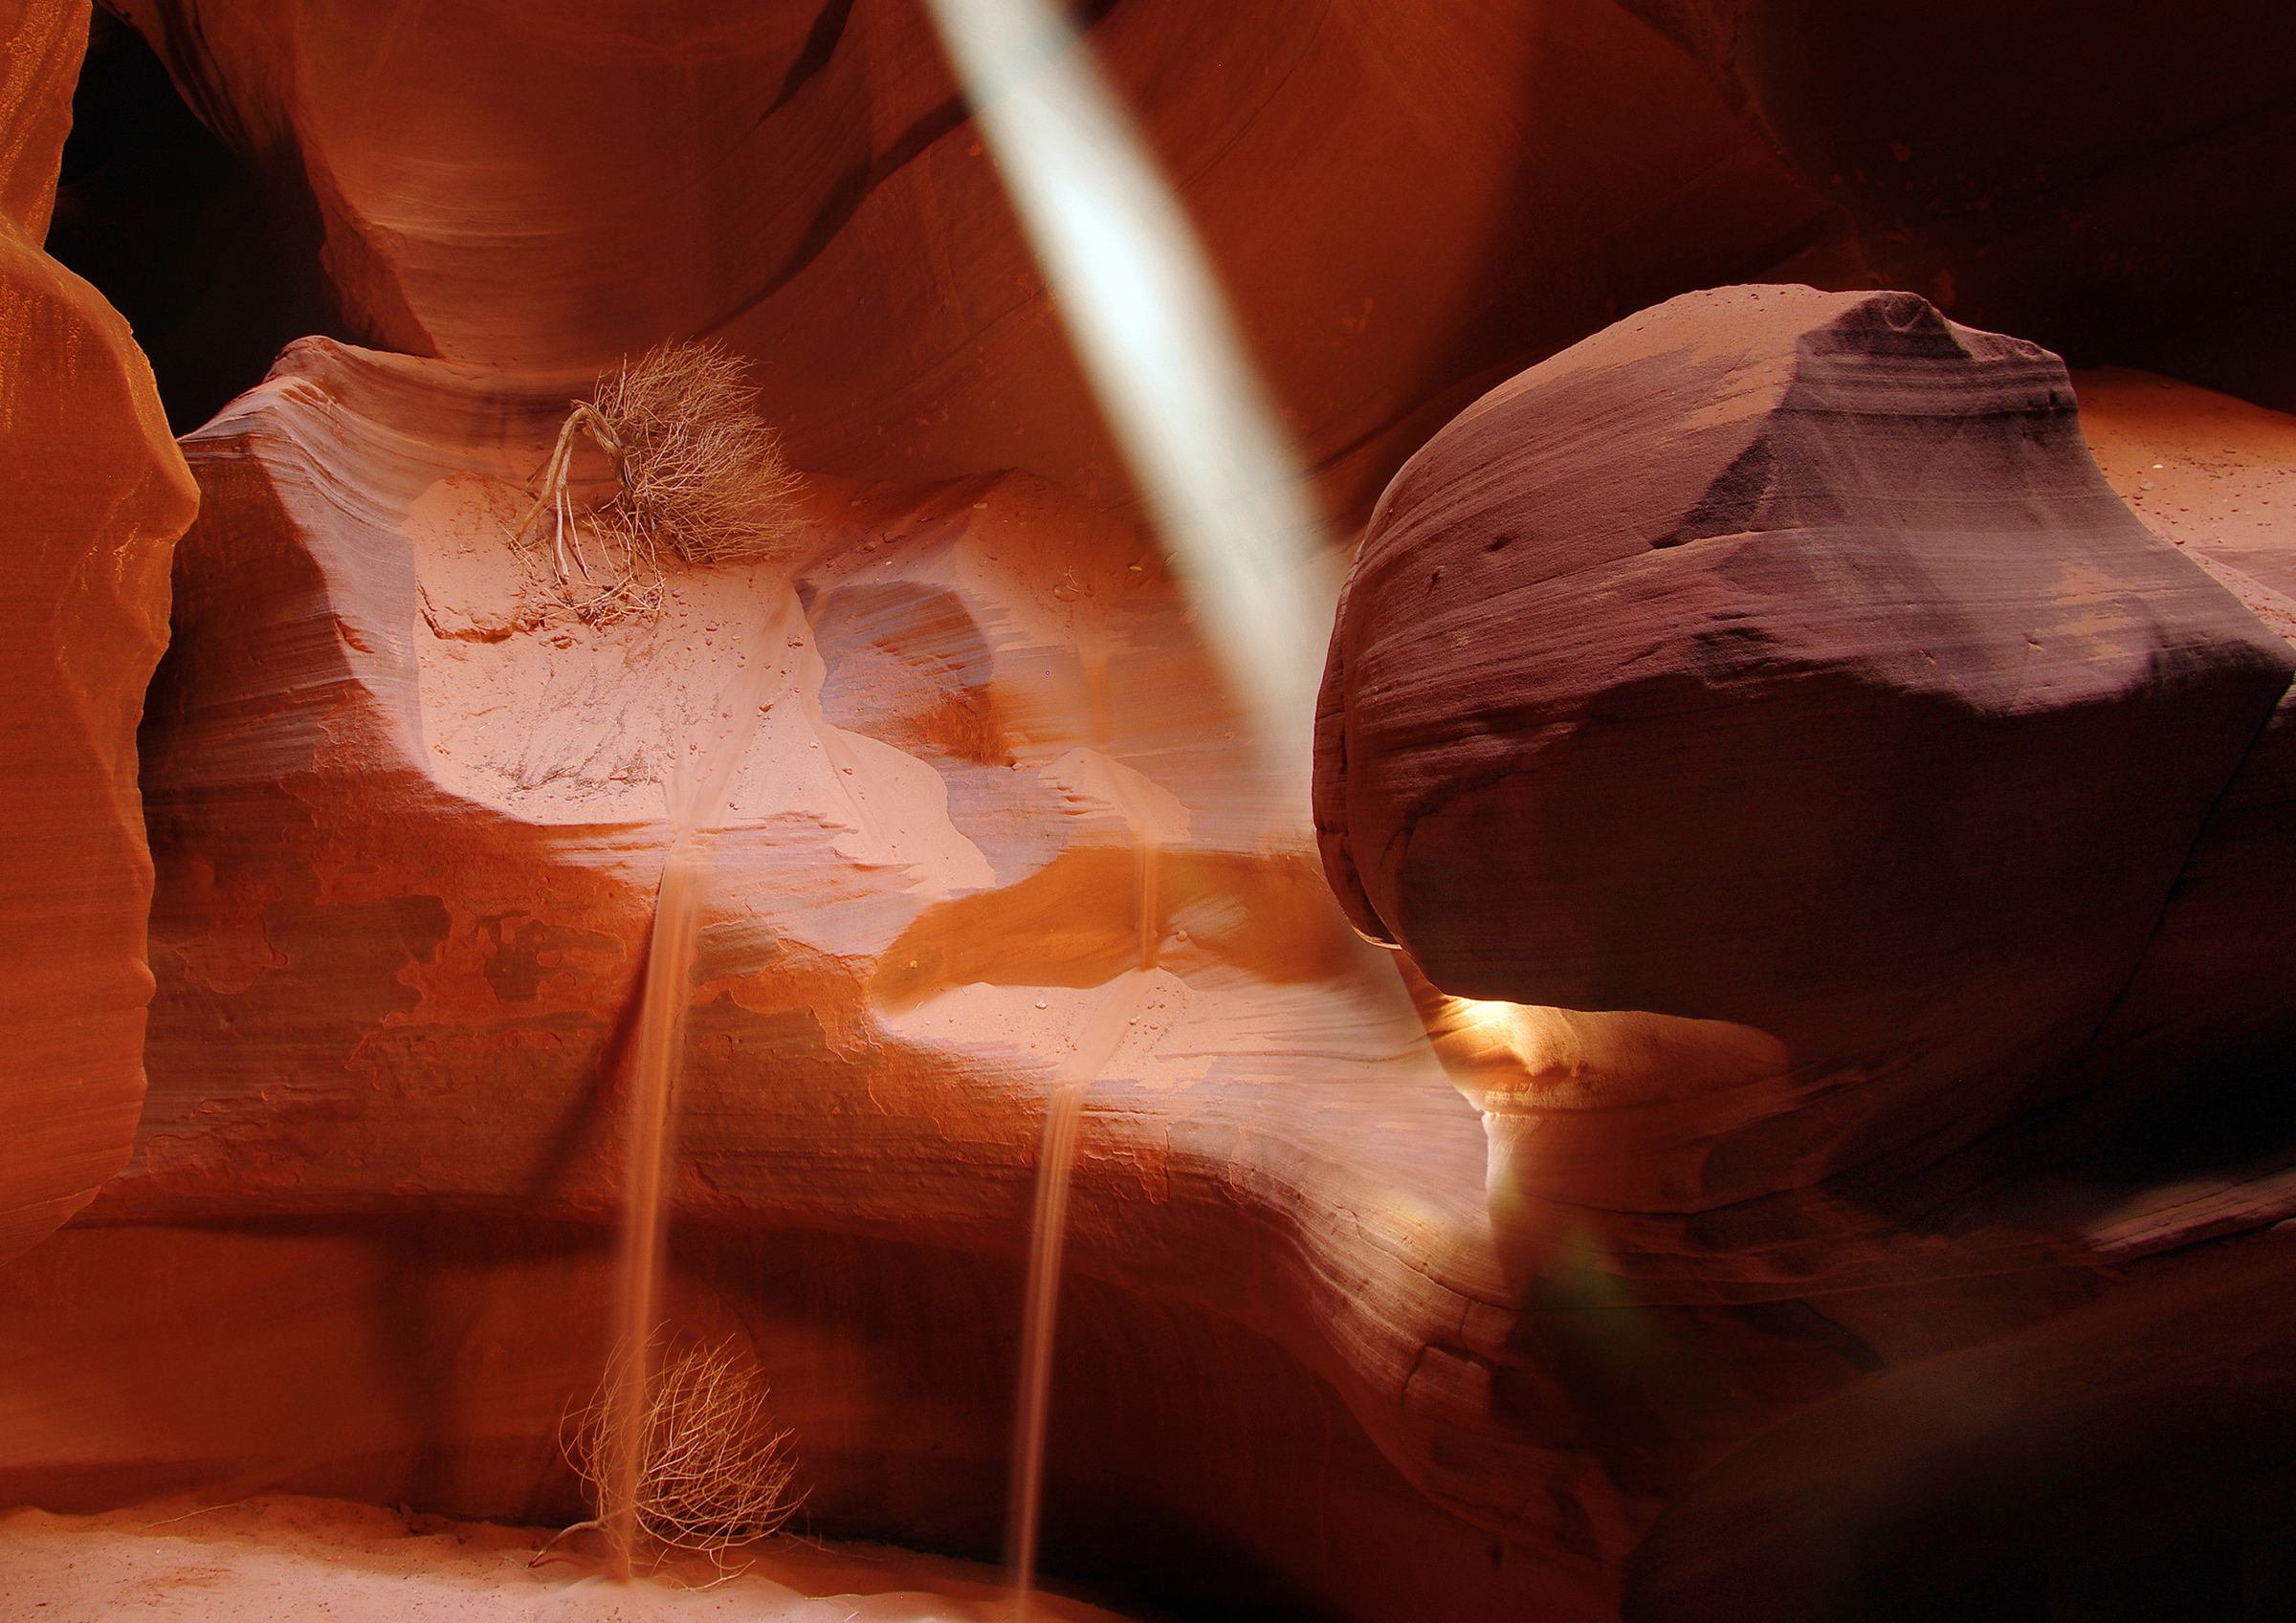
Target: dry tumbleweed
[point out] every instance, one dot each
(712, 1471)
(698, 475)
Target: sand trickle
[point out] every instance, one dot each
(1096, 1041)
(695, 787)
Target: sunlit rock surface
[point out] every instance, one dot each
(410, 827)
(413, 824)
(97, 495)
(1713, 1285)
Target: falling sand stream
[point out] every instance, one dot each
(696, 788)
(1095, 1041)
(645, 1216)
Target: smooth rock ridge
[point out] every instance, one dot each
(1780, 657)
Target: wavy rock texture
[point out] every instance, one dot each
(428, 1363)
(410, 827)
(1404, 203)
(1953, 887)
(2126, 1460)
(99, 494)
(1941, 720)
(1943, 913)
(409, 823)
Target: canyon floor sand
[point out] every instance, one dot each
(280, 1559)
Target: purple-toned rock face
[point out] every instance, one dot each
(1781, 657)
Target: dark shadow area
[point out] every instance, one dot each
(2236, 1112)
(2130, 1460)
(2104, 177)
(2137, 1152)
(215, 271)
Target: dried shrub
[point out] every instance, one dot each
(714, 1472)
(699, 479)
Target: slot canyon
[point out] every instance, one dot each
(1705, 1045)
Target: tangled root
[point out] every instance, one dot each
(712, 1471)
(699, 479)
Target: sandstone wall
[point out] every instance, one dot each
(99, 494)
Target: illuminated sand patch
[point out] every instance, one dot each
(287, 1559)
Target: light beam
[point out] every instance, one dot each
(1163, 357)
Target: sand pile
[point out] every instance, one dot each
(292, 1559)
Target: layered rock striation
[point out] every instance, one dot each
(983, 798)
(1844, 845)
(1781, 658)
(1862, 839)
(99, 494)
(1403, 204)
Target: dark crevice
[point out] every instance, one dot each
(821, 44)
(214, 273)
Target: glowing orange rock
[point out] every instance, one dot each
(98, 495)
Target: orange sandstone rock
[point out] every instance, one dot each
(98, 495)
(409, 828)
(408, 824)
(1774, 682)
(1402, 202)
